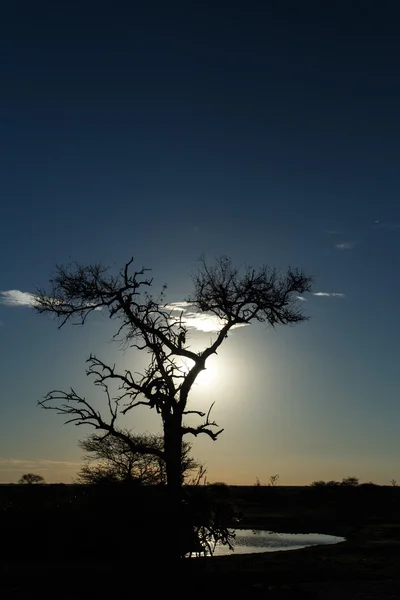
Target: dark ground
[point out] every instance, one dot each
(69, 542)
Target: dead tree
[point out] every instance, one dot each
(149, 325)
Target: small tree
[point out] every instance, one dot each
(110, 459)
(31, 478)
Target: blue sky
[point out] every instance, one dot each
(269, 133)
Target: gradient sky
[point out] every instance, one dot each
(269, 132)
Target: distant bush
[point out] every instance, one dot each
(350, 481)
(318, 484)
(325, 484)
(31, 478)
(346, 482)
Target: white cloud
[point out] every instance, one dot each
(329, 294)
(197, 320)
(178, 306)
(17, 298)
(205, 322)
(345, 246)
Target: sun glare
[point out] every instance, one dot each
(206, 377)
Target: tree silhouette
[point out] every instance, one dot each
(150, 325)
(110, 459)
(31, 478)
(350, 481)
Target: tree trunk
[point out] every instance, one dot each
(173, 465)
(173, 453)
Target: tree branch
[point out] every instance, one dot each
(204, 427)
(80, 412)
(194, 412)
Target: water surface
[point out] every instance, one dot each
(249, 541)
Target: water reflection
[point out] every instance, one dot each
(248, 541)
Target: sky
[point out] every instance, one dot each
(268, 132)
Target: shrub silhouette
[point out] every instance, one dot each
(31, 478)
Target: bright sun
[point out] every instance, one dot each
(206, 377)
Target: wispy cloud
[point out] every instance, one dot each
(388, 226)
(178, 306)
(345, 245)
(17, 298)
(38, 464)
(329, 294)
(301, 298)
(205, 322)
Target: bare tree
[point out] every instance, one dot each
(110, 459)
(151, 326)
(31, 478)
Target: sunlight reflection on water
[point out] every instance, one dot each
(249, 541)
